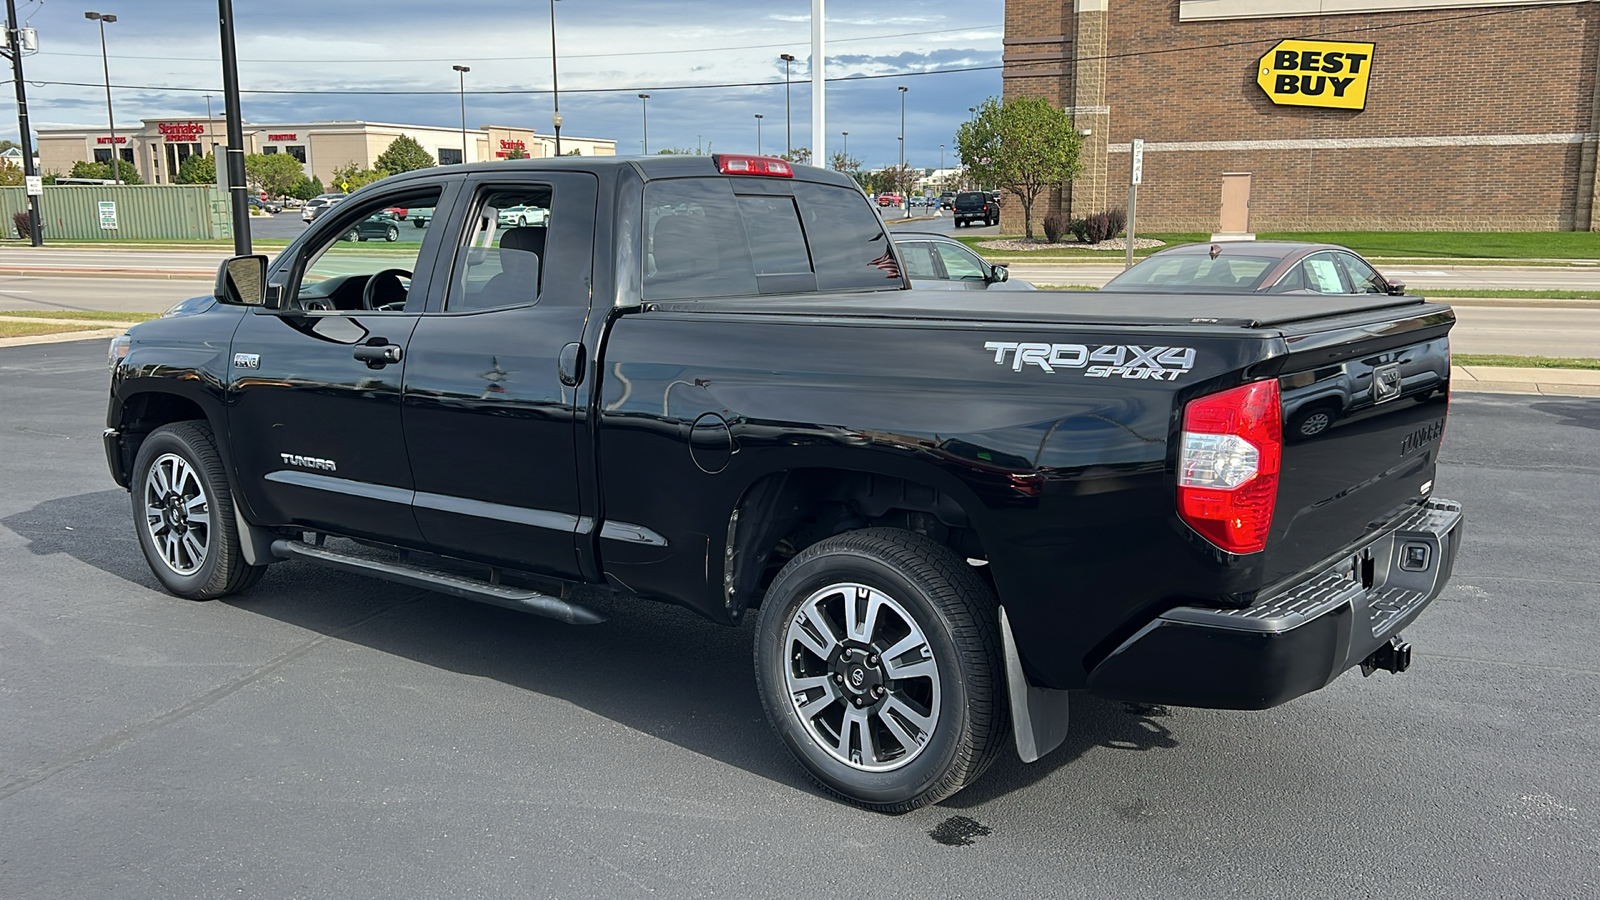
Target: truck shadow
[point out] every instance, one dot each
(653, 668)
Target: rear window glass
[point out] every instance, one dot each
(1200, 273)
(704, 240)
(972, 197)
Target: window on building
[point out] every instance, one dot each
(298, 151)
(126, 153)
(269, 151)
(102, 154)
(449, 156)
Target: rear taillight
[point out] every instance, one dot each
(754, 165)
(1228, 465)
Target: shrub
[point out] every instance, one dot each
(1119, 221)
(1054, 227)
(23, 225)
(1079, 229)
(1098, 227)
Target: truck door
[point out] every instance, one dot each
(489, 422)
(314, 387)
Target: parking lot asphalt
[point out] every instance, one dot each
(327, 735)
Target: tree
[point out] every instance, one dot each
(274, 173)
(404, 155)
(10, 176)
(799, 156)
(198, 170)
(305, 188)
(516, 153)
(575, 151)
(351, 176)
(1024, 145)
(9, 145)
(102, 170)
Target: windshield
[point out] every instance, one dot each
(1225, 274)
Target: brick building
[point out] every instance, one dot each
(1479, 115)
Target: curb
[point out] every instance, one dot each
(62, 338)
(68, 272)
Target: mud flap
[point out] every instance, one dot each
(1038, 715)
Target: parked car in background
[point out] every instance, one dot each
(976, 206)
(942, 263)
(420, 216)
(1269, 267)
(380, 226)
(266, 206)
(889, 200)
(317, 204)
(947, 200)
(523, 216)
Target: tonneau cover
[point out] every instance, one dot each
(1059, 307)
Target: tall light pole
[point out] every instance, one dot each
(461, 74)
(105, 62)
(819, 82)
(555, 79)
(788, 137)
(644, 107)
(846, 145)
(759, 117)
(14, 50)
(239, 200)
(902, 172)
(211, 141)
(941, 167)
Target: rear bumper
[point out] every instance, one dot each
(1298, 639)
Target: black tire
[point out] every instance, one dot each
(392, 235)
(522, 222)
(352, 235)
(420, 223)
(939, 610)
(1310, 422)
(960, 223)
(221, 568)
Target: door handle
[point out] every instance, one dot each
(378, 352)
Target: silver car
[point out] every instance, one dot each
(939, 262)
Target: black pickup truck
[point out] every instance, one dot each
(706, 381)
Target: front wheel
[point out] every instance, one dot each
(392, 235)
(183, 512)
(878, 663)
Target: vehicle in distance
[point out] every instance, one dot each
(708, 382)
(1267, 267)
(947, 200)
(315, 205)
(976, 206)
(941, 263)
(380, 226)
(265, 206)
(889, 200)
(522, 216)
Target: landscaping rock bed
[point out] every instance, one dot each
(1116, 243)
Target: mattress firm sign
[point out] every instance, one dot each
(1331, 74)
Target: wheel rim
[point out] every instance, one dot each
(862, 677)
(177, 514)
(1315, 423)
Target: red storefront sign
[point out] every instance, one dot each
(106, 140)
(283, 137)
(184, 132)
(507, 146)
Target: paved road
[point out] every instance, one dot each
(1532, 332)
(326, 735)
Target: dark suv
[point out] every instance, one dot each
(976, 206)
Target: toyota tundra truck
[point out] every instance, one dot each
(706, 381)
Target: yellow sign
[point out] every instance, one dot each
(1317, 73)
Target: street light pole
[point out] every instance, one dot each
(105, 62)
(644, 106)
(555, 79)
(846, 145)
(902, 172)
(461, 73)
(759, 117)
(14, 50)
(237, 189)
(788, 137)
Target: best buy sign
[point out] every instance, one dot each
(1317, 73)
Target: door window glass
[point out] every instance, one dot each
(848, 243)
(1323, 276)
(772, 227)
(918, 257)
(694, 241)
(961, 265)
(1363, 278)
(501, 260)
(365, 262)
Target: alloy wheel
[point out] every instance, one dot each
(177, 513)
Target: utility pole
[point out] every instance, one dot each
(902, 172)
(819, 83)
(14, 50)
(555, 78)
(788, 136)
(237, 190)
(461, 74)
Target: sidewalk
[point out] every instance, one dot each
(1508, 380)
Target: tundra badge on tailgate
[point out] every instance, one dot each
(1113, 360)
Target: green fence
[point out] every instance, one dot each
(138, 212)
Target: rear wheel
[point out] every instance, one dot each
(878, 663)
(392, 235)
(1310, 422)
(183, 510)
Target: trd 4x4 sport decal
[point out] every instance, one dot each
(1104, 361)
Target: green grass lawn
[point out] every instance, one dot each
(89, 315)
(1524, 362)
(30, 329)
(1471, 293)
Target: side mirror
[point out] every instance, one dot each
(242, 281)
(1001, 273)
(1397, 288)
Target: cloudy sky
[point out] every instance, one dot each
(166, 53)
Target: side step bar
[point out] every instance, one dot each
(520, 599)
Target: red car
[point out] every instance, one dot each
(889, 200)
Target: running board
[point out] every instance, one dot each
(520, 599)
